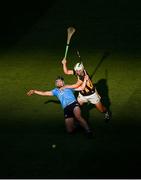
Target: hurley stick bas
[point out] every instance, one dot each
(70, 32)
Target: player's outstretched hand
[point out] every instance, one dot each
(29, 93)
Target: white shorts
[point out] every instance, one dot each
(93, 98)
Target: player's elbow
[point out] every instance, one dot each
(66, 72)
(81, 88)
(75, 86)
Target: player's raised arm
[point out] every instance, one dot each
(41, 93)
(65, 69)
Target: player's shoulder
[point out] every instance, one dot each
(55, 90)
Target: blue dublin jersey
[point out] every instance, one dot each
(65, 96)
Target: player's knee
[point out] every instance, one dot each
(79, 118)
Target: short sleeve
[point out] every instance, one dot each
(54, 92)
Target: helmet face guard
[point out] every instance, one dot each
(79, 67)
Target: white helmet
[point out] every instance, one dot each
(79, 66)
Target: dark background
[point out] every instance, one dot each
(18, 17)
(114, 24)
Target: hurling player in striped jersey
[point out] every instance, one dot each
(89, 94)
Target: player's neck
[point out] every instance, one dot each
(59, 87)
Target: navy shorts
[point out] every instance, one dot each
(68, 110)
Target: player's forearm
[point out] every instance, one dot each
(73, 86)
(41, 93)
(82, 87)
(65, 69)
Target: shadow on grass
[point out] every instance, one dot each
(105, 55)
(52, 101)
(103, 91)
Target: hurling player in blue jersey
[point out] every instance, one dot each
(68, 102)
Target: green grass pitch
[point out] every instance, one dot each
(29, 126)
